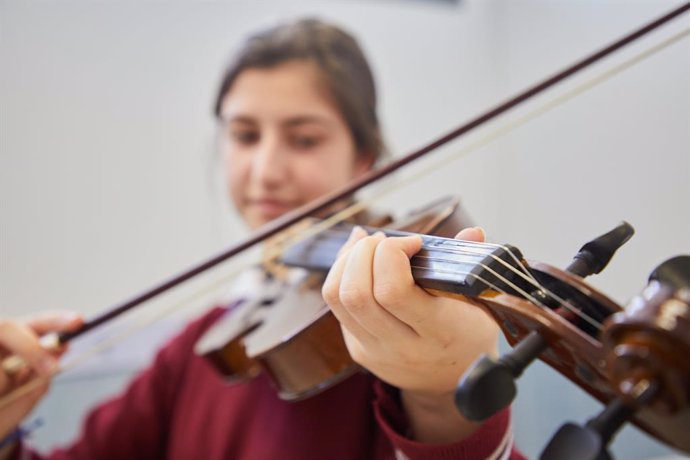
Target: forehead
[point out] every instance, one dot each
(288, 90)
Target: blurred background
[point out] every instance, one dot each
(108, 173)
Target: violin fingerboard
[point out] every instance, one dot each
(446, 264)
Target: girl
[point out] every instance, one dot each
(297, 110)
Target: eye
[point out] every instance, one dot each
(305, 141)
(244, 136)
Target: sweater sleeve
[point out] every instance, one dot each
(133, 425)
(492, 440)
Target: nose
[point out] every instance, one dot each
(269, 163)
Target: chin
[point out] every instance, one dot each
(255, 219)
(255, 222)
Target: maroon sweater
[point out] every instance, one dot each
(180, 409)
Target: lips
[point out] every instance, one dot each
(270, 207)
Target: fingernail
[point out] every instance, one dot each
(357, 232)
(482, 231)
(72, 317)
(50, 341)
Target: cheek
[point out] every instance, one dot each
(323, 175)
(235, 175)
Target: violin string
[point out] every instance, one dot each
(563, 303)
(531, 279)
(512, 255)
(525, 274)
(497, 289)
(581, 314)
(488, 283)
(521, 270)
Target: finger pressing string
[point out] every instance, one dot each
(475, 234)
(356, 234)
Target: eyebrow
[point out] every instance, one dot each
(290, 122)
(307, 119)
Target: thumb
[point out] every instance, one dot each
(51, 321)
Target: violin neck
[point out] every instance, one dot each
(443, 264)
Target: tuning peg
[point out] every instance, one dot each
(589, 442)
(595, 255)
(573, 442)
(674, 272)
(489, 385)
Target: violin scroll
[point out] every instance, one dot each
(649, 345)
(489, 385)
(645, 350)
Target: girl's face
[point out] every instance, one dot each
(284, 141)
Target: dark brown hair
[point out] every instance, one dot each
(343, 66)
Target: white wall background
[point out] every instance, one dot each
(106, 152)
